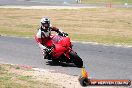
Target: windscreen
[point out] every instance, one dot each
(56, 39)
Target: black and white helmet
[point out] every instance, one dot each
(45, 22)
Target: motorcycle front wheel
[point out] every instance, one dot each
(76, 59)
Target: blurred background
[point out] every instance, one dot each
(108, 3)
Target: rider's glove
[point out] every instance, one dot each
(64, 34)
(47, 50)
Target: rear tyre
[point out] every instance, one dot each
(76, 59)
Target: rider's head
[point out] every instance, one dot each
(45, 23)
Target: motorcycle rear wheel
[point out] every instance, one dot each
(76, 59)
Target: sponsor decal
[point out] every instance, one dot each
(85, 81)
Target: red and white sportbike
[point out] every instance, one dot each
(61, 50)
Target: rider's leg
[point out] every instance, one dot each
(44, 54)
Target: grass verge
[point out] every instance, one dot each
(12, 76)
(101, 25)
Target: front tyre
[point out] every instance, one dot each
(76, 59)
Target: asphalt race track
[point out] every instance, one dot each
(36, 2)
(104, 62)
(54, 3)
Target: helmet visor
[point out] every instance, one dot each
(45, 25)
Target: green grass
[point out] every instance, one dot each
(101, 25)
(103, 39)
(16, 80)
(20, 32)
(106, 1)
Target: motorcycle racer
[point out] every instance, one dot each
(44, 33)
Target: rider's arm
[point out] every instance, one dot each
(56, 30)
(60, 32)
(39, 39)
